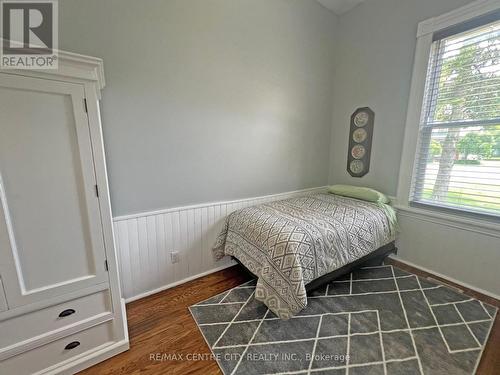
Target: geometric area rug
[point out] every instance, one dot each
(376, 320)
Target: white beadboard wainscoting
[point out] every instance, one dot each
(145, 242)
(461, 250)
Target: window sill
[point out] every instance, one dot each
(485, 227)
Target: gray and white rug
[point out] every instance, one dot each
(377, 320)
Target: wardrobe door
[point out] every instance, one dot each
(51, 240)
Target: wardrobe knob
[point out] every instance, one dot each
(67, 312)
(72, 345)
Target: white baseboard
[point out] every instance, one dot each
(171, 285)
(174, 284)
(448, 278)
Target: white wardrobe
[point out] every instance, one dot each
(60, 302)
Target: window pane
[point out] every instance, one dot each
(465, 79)
(458, 153)
(462, 168)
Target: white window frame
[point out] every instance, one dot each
(425, 32)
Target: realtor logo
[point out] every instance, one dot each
(29, 34)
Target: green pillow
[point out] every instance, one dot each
(358, 192)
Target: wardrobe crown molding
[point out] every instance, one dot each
(72, 66)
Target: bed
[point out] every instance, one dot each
(295, 245)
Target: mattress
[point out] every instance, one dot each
(291, 242)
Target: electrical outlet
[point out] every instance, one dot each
(174, 256)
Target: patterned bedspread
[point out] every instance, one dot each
(291, 242)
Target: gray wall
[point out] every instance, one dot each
(208, 100)
(376, 46)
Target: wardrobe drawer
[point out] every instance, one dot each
(44, 321)
(64, 349)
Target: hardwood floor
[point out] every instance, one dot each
(162, 324)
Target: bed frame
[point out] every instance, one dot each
(375, 258)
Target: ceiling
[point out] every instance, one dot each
(340, 6)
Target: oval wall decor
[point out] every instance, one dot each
(360, 142)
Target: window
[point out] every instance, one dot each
(457, 161)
